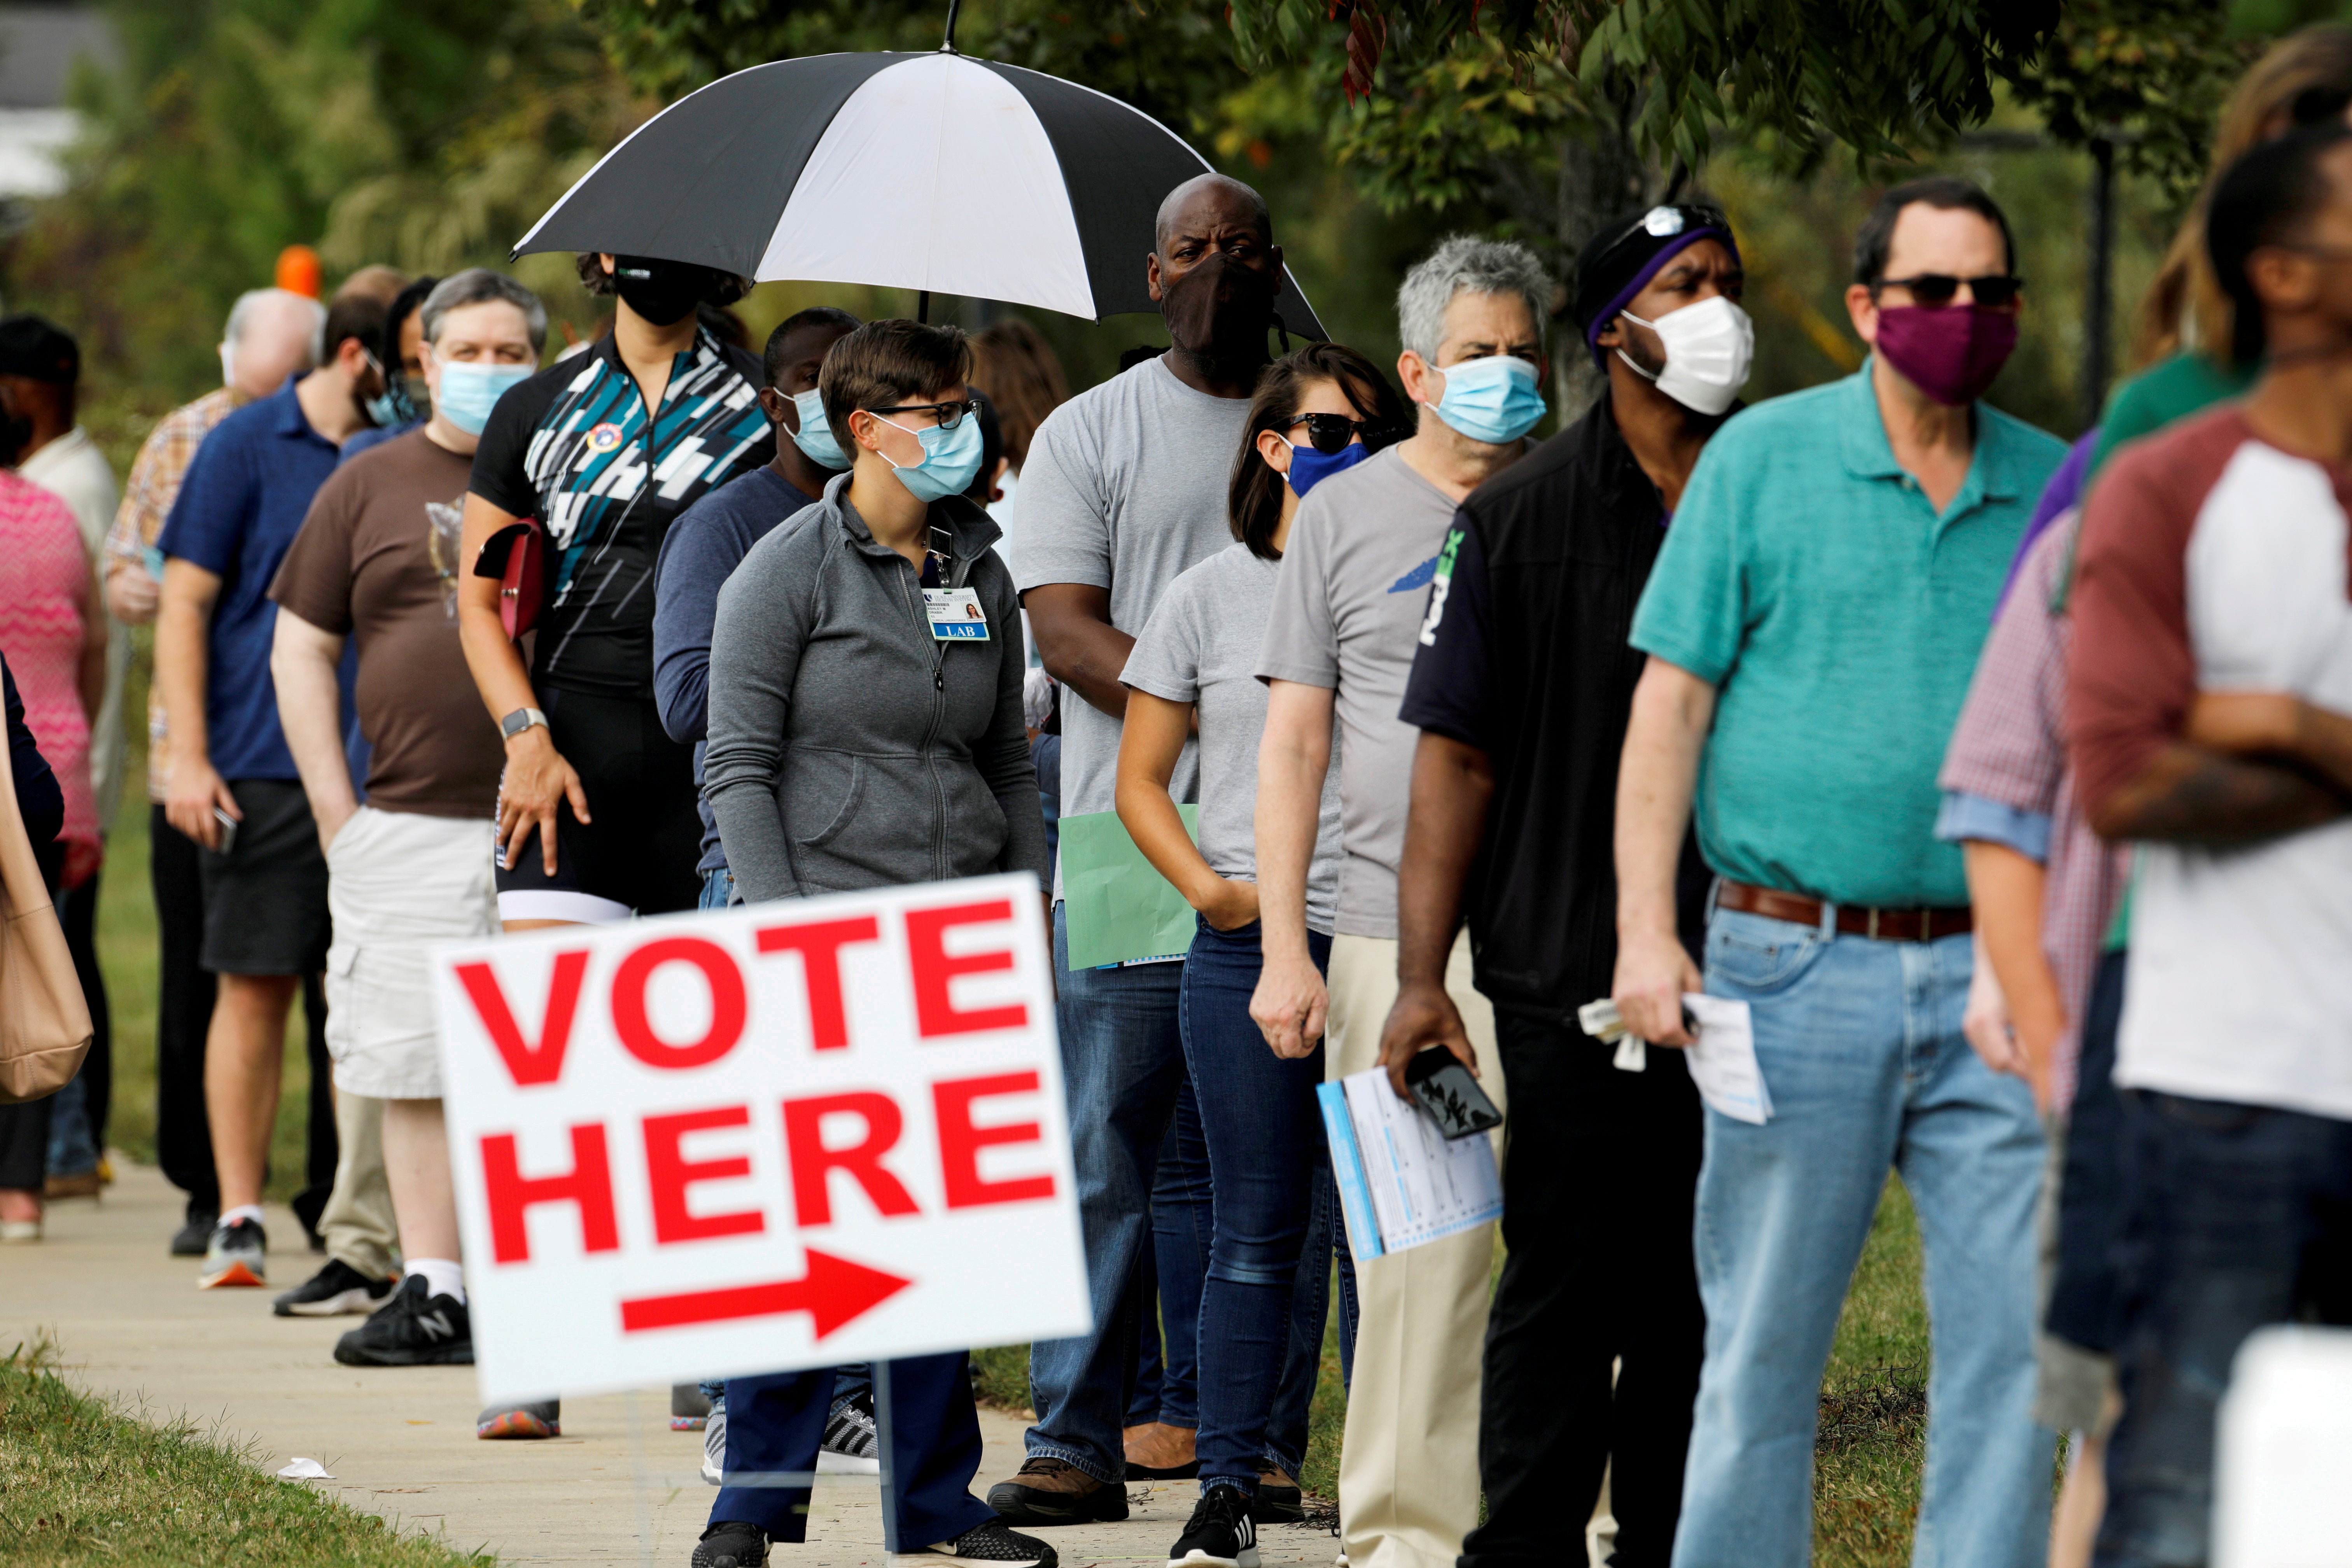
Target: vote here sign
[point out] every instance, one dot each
(791, 1135)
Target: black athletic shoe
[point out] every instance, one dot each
(732, 1545)
(1220, 1535)
(332, 1291)
(852, 1445)
(1054, 1491)
(190, 1239)
(1276, 1502)
(989, 1544)
(412, 1330)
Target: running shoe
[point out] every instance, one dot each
(714, 1443)
(536, 1418)
(851, 1445)
(989, 1543)
(689, 1407)
(236, 1255)
(411, 1329)
(732, 1543)
(1220, 1535)
(190, 1239)
(332, 1291)
(1054, 1491)
(1278, 1498)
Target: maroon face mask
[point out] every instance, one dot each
(1951, 353)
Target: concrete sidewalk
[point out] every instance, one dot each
(617, 1487)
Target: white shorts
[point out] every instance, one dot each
(399, 884)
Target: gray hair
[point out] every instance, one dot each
(1465, 265)
(241, 314)
(480, 286)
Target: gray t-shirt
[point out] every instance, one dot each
(1125, 488)
(1200, 647)
(1347, 607)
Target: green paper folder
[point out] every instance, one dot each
(1116, 907)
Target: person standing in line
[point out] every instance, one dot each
(1347, 609)
(40, 370)
(399, 359)
(272, 335)
(234, 788)
(1123, 491)
(51, 630)
(598, 816)
(1196, 661)
(24, 1129)
(1521, 687)
(825, 670)
(1811, 623)
(2209, 724)
(376, 561)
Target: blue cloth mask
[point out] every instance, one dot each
(1309, 467)
(468, 392)
(950, 460)
(1494, 399)
(815, 438)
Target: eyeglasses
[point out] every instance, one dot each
(1331, 434)
(951, 413)
(1937, 290)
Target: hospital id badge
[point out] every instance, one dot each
(955, 614)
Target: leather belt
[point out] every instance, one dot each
(1854, 920)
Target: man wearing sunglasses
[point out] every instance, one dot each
(1811, 623)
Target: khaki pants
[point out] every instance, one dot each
(357, 1222)
(1409, 1463)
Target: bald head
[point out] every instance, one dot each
(272, 334)
(1208, 203)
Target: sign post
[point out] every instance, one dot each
(788, 1135)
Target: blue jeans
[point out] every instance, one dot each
(1860, 1046)
(72, 1150)
(2242, 1216)
(1122, 1063)
(1168, 1284)
(1270, 1257)
(717, 888)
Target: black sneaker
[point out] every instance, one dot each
(190, 1239)
(1220, 1535)
(1047, 1491)
(412, 1330)
(732, 1545)
(1278, 1500)
(984, 1544)
(851, 1445)
(331, 1292)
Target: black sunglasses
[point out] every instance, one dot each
(951, 413)
(1330, 434)
(1936, 289)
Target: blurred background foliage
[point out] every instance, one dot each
(430, 133)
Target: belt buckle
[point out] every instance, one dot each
(1870, 929)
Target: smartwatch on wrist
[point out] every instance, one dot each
(521, 719)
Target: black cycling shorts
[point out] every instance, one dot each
(636, 854)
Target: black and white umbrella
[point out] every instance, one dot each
(933, 171)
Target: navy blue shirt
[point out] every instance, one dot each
(238, 510)
(703, 548)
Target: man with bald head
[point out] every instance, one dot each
(1125, 488)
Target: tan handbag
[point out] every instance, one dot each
(45, 1028)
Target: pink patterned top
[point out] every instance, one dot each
(45, 588)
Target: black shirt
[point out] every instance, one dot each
(572, 447)
(1524, 656)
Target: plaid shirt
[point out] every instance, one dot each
(2010, 747)
(155, 475)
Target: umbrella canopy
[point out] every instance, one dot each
(933, 171)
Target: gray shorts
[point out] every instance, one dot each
(266, 900)
(2075, 1388)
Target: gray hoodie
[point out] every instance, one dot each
(849, 750)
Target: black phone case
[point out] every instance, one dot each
(1450, 1096)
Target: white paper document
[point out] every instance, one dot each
(1723, 1062)
(1401, 1182)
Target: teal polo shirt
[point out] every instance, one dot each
(1808, 579)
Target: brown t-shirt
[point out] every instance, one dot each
(377, 559)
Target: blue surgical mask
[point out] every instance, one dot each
(468, 392)
(1494, 399)
(815, 438)
(384, 409)
(1310, 466)
(950, 460)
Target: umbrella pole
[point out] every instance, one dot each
(948, 45)
(923, 307)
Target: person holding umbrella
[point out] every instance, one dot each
(841, 676)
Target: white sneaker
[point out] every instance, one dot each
(714, 1442)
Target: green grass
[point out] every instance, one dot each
(82, 1483)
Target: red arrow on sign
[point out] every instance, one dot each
(833, 1291)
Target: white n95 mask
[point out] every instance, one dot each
(1709, 347)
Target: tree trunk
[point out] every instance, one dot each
(1602, 178)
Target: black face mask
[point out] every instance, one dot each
(1220, 310)
(663, 292)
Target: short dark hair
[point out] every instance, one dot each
(772, 363)
(1253, 497)
(1947, 193)
(887, 362)
(357, 316)
(2264, 198)
(404, 304)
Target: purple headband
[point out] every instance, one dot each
(1674, 247)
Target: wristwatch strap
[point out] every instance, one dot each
(521, 719)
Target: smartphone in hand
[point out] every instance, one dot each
(227, 831)
(1444, 1088)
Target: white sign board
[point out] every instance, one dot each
(2283, 1461)
(791, 1135)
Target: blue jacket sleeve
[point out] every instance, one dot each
(695, 561)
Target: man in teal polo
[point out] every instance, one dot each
(1812, 624)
